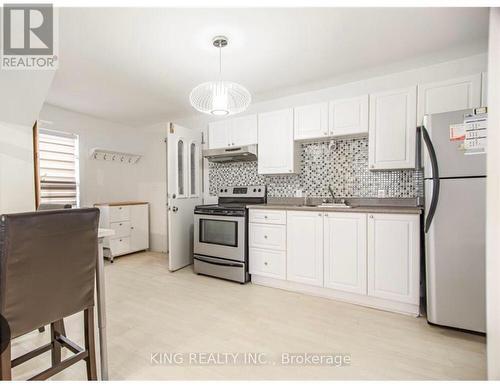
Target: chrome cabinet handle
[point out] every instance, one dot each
(265, 263)
(265, 236)
(265, 217)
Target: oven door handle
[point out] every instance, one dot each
(212, 261)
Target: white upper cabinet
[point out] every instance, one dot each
(244, 130)
(218, 134)
(304, 247)
(277, 150)
(392, 130)
(484, 89)
(449, 95)
(234, 132)
(349, 116)
(311, 121)
(393, 257)
(345, 252)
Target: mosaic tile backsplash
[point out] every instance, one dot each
(343, 163)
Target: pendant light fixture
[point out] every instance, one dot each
(220, 98)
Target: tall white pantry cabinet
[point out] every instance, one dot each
(130, 221)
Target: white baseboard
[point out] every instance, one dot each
(353, 298)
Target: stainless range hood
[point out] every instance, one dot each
(234, 154)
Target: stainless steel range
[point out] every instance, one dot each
(221, 233)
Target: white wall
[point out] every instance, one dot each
(440, 71)
(22, 94)
(21, 97)
(17, 183)
(112, 181)
(493, 201)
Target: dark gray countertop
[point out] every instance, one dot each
(371, 205)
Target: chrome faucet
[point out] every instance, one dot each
(331, 192)
(306, 198)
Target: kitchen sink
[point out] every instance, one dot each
(328, 205)
(334, 206)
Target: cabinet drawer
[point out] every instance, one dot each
(267, 236)
(121, 229)
(268, 216)
(268, 263)
(119, 213)
(119, 246)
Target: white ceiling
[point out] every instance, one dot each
(138, 65)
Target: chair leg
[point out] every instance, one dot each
(63, 328)
(63, 332)
(55, 329)
(5, 364)
(90, 343)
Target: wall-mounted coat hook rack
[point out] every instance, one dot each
(114, 156)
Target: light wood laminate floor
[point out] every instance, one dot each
(152, 310)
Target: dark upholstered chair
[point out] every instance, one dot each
(43, 207)
(47, 272)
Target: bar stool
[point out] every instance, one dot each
(53, 207)
(47, 273)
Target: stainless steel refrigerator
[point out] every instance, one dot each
(454, 225)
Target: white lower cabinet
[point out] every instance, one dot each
(139, 228)
(367, 259)
(268, 263)
(267, 236)
(393, 257)
(304, 247)
(267, 243)
(130, 223)
(345, 251)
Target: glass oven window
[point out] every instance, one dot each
(221, 232)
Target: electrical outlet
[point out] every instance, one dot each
(381, 193)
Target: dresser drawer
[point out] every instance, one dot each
(119, 246)
(121, 229)
(267, 263)
(267, 236)
(119, 213)
(268, 216)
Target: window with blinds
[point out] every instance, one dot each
(58, 168)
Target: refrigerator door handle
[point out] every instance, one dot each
(435, 178)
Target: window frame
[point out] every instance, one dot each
(39, 130)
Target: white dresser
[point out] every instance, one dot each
(130, 221)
